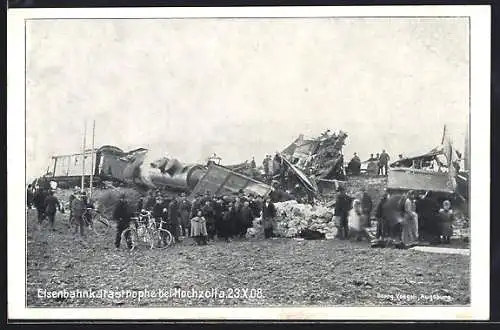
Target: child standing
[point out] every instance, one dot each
(447, 217)
(199, 229)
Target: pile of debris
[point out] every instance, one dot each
(320, 156)
(297, 220)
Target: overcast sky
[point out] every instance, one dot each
(244, 87)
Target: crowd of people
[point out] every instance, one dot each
(45, 202)
(414, 218)
(206, 218)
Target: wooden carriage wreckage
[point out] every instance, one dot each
(307, 162)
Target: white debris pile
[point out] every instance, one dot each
(294, 218)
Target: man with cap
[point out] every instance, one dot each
(39, 202)
(51, 206)
(160, 212)
(196, 205)
(77, 209)
(173, 219)
(121, 214)
(342, 207)
(184, 209)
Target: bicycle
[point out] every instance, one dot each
(145, 230)
(93, 220)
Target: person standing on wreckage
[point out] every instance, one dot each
(383, 163)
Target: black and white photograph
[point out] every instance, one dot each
(249, 162)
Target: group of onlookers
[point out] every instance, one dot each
(47, 205)
(414, 218)
(204, 218)
(419, 217)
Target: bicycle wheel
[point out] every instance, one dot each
(129, 239)
(162, 238)
(101, 225)
(138, 238)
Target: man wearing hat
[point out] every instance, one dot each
(76, 190)
(121, 214)
(77, 209)
(184, 209)
(160, 211)
(342, 207)
(51, 206)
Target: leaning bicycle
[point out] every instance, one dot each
(93, 220)
(144, 230)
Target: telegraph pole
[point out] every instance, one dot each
(92, 160)
(83, 156)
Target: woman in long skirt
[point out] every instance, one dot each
(355, 216)
(410, 222)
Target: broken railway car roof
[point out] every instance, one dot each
(220, 180)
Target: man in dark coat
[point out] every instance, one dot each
(225, 227)
(39, 202)
(246, 219)
(76, 191)
(427, 209)
(218, 213)
(160, 212)
(77, 211)
(121, 214)
(268, 215)
(342, 207)
(383, 163)
(184, 210)
(207, 212)
(382, 225)
(237, 219)
(173, 215)
(256, 207)
(366, 207)
(51, 206)
(354, 165)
